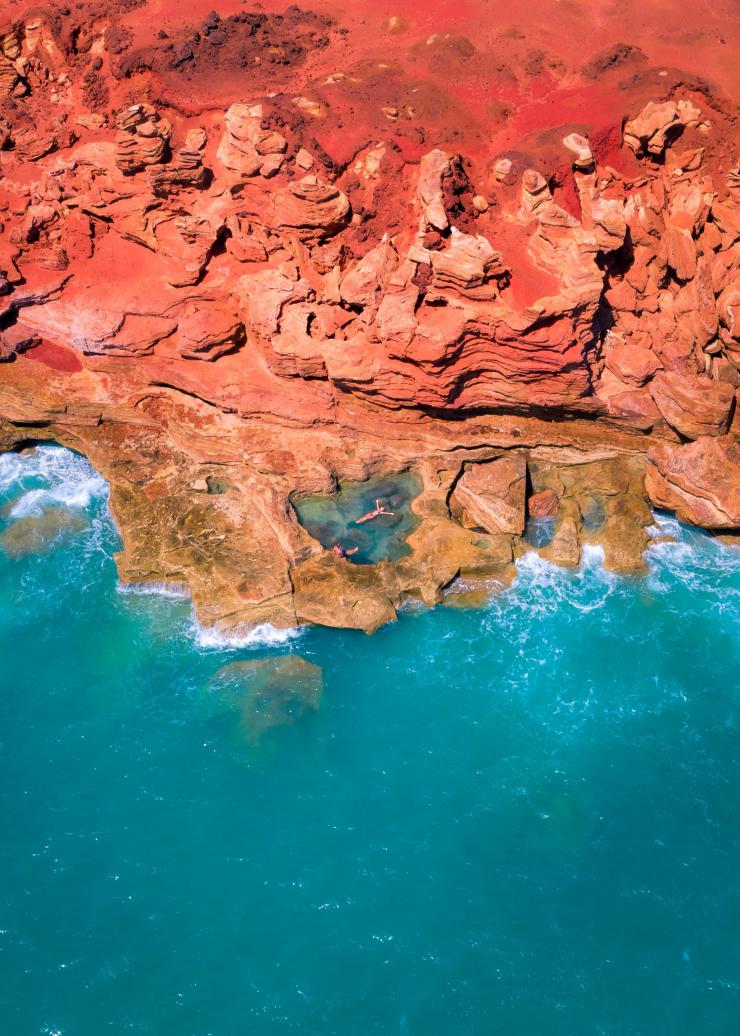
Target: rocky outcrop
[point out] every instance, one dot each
(248, 149)
(11, 63)
(311, 209)
(700, 481)
(491, 497)
(657, 125)
(185, 170)
(693, 405)
(142, 138)
(228, 283)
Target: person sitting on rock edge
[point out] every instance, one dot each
(341, 552)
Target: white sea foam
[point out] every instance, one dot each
(262, 635)
(543, 586)
(692, 558)
(50, 476)
(154, 589)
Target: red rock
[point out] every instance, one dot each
(544, 504)
(312, 209)
(442, 262)
(207, 331)
(654, 127)
(364, 283)
(681, 251)
(246, 148)
(631, 363)
(699, 481)
(142, 138)
(693, 405)
(435, 168)
(491, 496)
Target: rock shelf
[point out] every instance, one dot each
(272, 251)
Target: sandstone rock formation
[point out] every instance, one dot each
(699, 481)
(491, 497)
(657, 125)
(231, 271)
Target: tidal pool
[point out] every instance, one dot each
(516, 819)
(333, 519)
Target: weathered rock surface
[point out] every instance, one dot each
(658, 124)
(248, 262)
(491, 497)
(700, 481)
(693, 405)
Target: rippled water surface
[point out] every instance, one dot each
(520, 820)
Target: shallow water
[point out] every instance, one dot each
(333, 519)
(516, 820)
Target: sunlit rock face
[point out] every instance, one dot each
(290, 249)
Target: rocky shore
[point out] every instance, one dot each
(251, 254)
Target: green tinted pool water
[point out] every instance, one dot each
(519, 820)
(333, 519)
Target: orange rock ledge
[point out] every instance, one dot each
(246, 254)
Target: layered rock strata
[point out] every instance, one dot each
(221, 315)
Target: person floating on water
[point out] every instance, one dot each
(342, 552)
(379, 509)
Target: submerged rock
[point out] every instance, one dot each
(37, 534)
(271, 692)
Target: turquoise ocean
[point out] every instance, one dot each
(520, 820)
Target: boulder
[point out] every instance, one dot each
(468, 264)
(11, 69)
(491, 496)
(580, 148)
(330, 591)
(699, 481)
(246, 148)
(544, 504)
(185, 170)
(208, 331)
(631, 363)
(312, 209)
(659, 124)
(434, 169)
(142, 138)
(692, 404)
(266, 293)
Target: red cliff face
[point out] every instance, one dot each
(299, 245)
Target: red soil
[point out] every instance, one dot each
(480, 77)
(56, 357)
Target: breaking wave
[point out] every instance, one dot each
(262, 635)
(47, 476)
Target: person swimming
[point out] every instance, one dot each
(376, 513)
(342, 552)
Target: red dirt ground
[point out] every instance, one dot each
(477, 76)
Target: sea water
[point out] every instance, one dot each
(515, 820)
